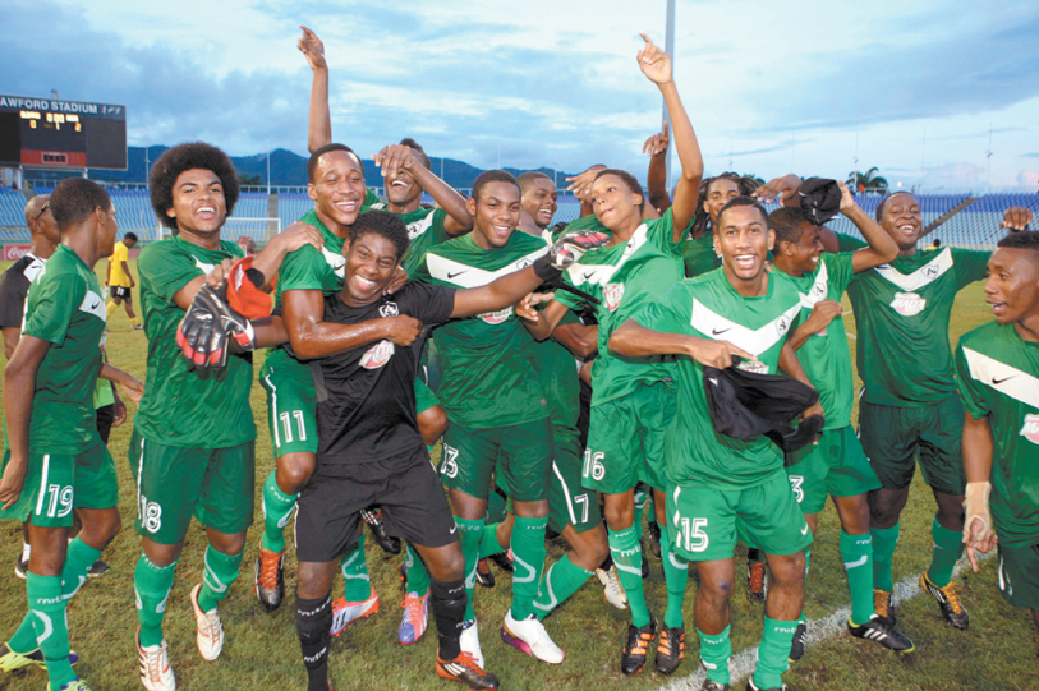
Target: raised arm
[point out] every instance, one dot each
(882, 247)
(319, 123)
(656, 177)
(397, 156)
(312, 338)
(580, 339)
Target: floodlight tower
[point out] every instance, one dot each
(669, 46)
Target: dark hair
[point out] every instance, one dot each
(883, 202)
(788, 222)
(630, 180)
(743, 200)
(383, 223)
(526, 179)
(321, 151)
(75, 199)
(745, 186)
(130, 236)
(488, 176)
(1018, 240)
(412, 144)
(184, 157)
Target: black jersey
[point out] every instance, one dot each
(14, 287)
(366, 397)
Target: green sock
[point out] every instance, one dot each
(884, 543)
(715, 652)
(497, 507)
(24, 639)
(857, 555)
(220, 572)
(418, 575)
(277, 508)
(948, 548)
(808, 557)
(470, 533)
(489, 541)
(78, 560)
(676, 575)
(152, 586)
(641, 496)
(47, 607)
(774, 653)
(627, 556)
(528, 556)
(563, 579)
(357, 585)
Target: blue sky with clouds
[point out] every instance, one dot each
(912, 87)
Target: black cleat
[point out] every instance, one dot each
(484, 575)
(948, 602)
(654, 539)
(269, 578)
(781, 687)
(98, 569)
(756, 582)
(636, 648)
(877, 629)
(797, 646)
(21, 566)
(709, 685)
(502, 561)
(670, 649)
(389, 543)
(464, 669)
(883, 607)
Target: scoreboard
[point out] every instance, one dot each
(51, 133)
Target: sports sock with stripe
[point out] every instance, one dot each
(857, 555)
(676, 576)
(470, 533)
(774, 653)
(220, 571)
(884, 542)
(627, 557)
(110, 309)
(24, 639)
(417, 573)
(808, 558)
(357, 585)
(152, 586)
(78, 560)
(528, 558)
(489, 541)
(948, 548)
(277, 508)
(313, 622)
(641, 497)
(564, 578)
(47, 607)
(715, 652)
(447, 600)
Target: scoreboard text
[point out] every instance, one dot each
(49, 133)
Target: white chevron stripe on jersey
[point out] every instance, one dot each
(920, 278)
(335, 260)
(93, 304)
(817, 293)
(417, 228)
(601, 274)
(1005, 379)
(466, 276)
(754, 341)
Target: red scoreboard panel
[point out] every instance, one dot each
(51, 133)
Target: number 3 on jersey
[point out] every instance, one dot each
(796, 484)
(449, 466)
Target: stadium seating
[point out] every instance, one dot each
(12, 213)
(291, 206)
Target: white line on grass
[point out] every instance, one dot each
(743, 663)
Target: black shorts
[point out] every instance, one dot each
(105, 418)
(412, 499)
(121, 292)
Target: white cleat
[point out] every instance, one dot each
(156, 673)
(210, 630)
(529, 636)
(469, 641)
(345, 613)
(612, 589)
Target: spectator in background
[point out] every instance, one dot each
(120, 282)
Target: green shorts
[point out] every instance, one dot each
(704, 520)
(175, 483)
(54, 485)
(1019, 575)
(291, 404)
(626, 440)
(891, 436)
(469, 456)
(424, 397)
(836, 467)
(568, 502)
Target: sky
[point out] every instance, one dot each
(917, 88)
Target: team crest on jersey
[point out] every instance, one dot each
(390, 309)
(496, 317)
(754, 366)
(908, 304)
(1030, 431)
(613, 293)
(378, 355)
(783, 325)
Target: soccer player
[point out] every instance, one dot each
(56, 461)
(120, 282)
(698, 251)
(836, 465)
(718, 485)
(191, 452)
(538, 198)
(641, 262)
(909, 403)
(997, 367)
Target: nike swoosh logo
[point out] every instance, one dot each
(718, 332)
(95, 305)
(587, 275)
(804, 531)
(453, 275)
(454, 530)
(1000, 381)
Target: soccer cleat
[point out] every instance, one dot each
(389, 543)
(654, 539)
(782, 687)
(74, 685)
(345, 613)
(948, 601)
(10, 660)
(156, 673)
(21, 565)
(269, 577)
(709, 685)
(98, 569)
(611, 587)
(137, 327)
(210, 630)
(883, 607)
(670, 649)
(877, 629)
(633, 657)
(529, 636)
(470, 641)
(484, 575)
(503, 560)
(416, 618)
(464, 669)
(756, 582)
(797, 646)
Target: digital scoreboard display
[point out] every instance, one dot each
(51, 133)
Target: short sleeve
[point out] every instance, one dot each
(662, 315)
(972, 394)
(840, 271)
(566, 298)
(120, 254)
(428, 303)
(52, 306)
(970, 265)
(661, 232)
(13, 288)
(167, 272)
(302, 270)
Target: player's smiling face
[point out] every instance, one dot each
(540, 201)
(615, 204)
(338, 189)
(1012, 288)
(743, 239)
(495, 214)
(804, 254)
(198, 202)
(401, 188)
(901, 219)
(718, 195)
(370, 262)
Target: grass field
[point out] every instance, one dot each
(262, 651)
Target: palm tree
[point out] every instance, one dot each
(868, 181)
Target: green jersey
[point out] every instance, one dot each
(825, 356)
(311, 269)
(998, 375)
(699, 256)
(425, 229)
(66, 308)
(902, 312)
(371, 201)
(558, 369)
(709, 307)
(184, 406)
(486, 359)
(624, 277)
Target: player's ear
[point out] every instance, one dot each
(470, 205)
(310, 191)
(771, 238)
